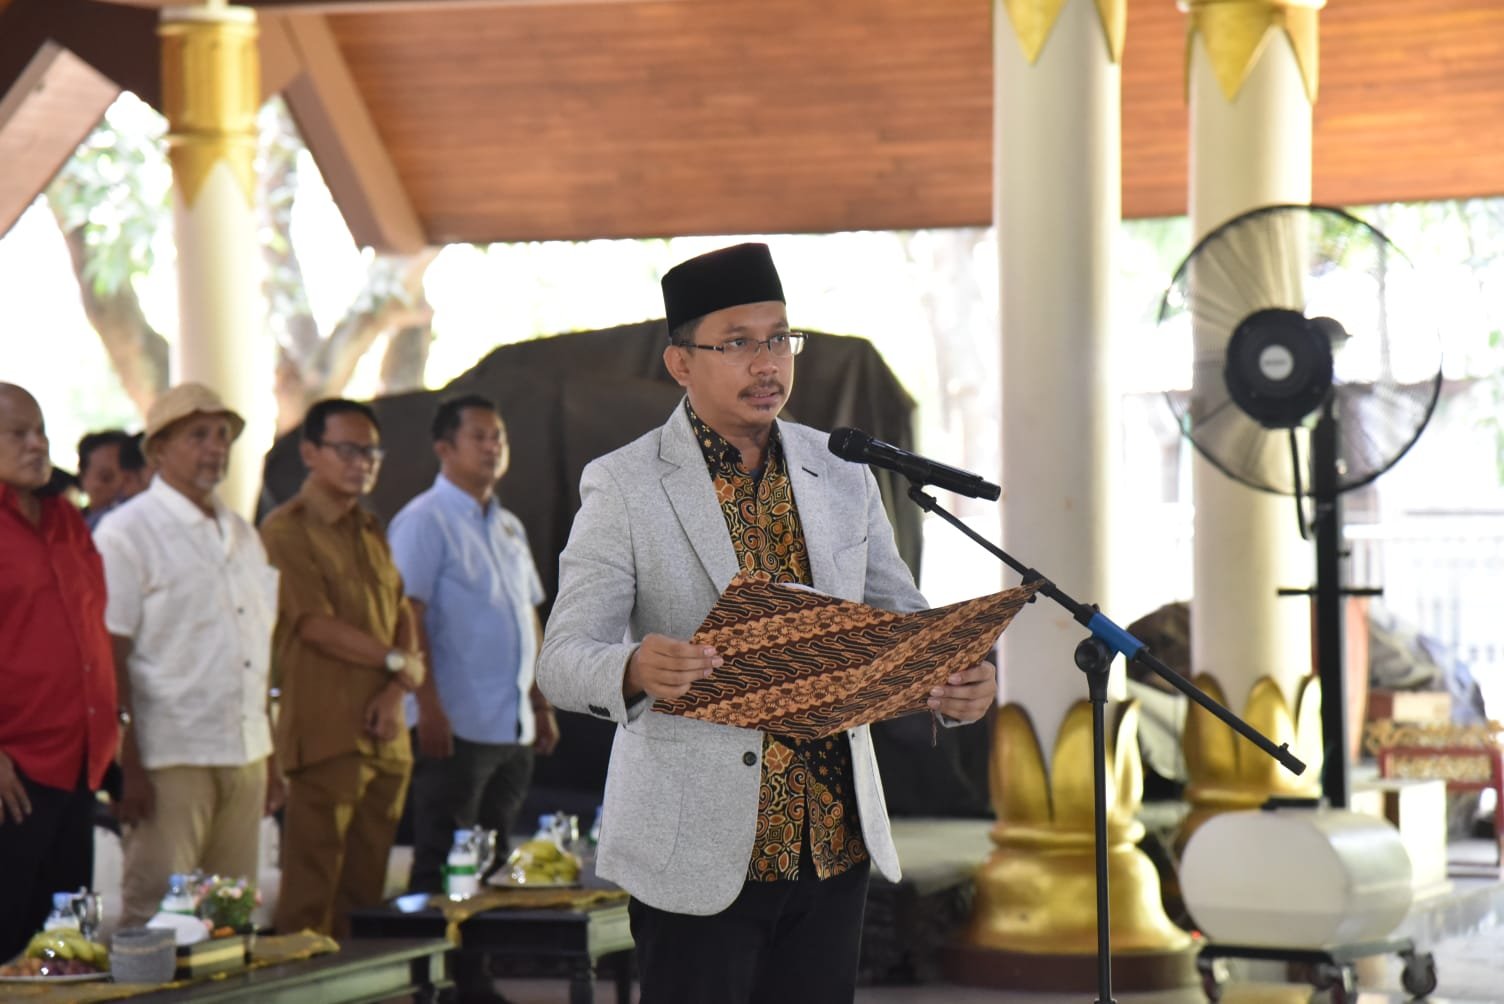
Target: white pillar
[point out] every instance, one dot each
(1057, 204)
(1250, 84)
(1057, 207)
(210, 92)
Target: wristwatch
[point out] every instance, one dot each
(396, 661)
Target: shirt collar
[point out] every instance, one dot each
(180, 506)
(325, 507)
(718, 452)
(454, 496)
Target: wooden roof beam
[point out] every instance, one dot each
(46, 110)
(342, 136)
(61, 65)
(375, 6)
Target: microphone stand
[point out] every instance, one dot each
(1094, 655)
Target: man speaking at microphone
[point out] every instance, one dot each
(746, 854)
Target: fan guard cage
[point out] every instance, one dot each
(1321, 262)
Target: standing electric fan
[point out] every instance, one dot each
(1314, 369)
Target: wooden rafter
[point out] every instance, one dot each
(47, 112)
(340, 133)
(369, 6)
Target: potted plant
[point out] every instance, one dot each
(225, 906)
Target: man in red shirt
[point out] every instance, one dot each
(58, 727)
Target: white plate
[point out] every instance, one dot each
(185, 930)
(71, 978)
(501, 880)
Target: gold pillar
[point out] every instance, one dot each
(211, 91)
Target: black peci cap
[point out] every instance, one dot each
(716, 280)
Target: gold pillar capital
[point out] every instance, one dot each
(1033, 20)
(211, 88)
(1235, 31)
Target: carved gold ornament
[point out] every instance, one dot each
(1228, 773)
(1033, 21)
(211, 87)
(1387, 734)
(1036, 894)
(1236, 31)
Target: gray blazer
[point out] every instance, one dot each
(650, 553)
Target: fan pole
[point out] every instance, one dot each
(1330, 669)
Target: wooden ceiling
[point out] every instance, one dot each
(481, 120)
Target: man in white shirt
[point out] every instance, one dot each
(192, 604)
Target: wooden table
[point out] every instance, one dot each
(570, 942)
(362, 970)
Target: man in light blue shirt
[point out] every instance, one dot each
(474, 587)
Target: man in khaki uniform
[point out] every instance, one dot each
(346, 652)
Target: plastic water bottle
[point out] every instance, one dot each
(588, 850)
(179, 898)
(462, 870)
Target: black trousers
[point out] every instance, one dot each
(51, 850)
(777, 943)
(481, 784)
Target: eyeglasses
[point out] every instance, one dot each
(742, 350)
(348, 452)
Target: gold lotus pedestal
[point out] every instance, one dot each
(1227, 774)
(1033, 924)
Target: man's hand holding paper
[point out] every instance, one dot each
(966, 696)
(664, 667)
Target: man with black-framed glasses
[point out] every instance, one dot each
(346, 652)
(747, 854)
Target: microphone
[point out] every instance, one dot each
(859, 448)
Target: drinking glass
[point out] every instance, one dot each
(88, 907)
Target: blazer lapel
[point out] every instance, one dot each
(807, 475)
(692, 497)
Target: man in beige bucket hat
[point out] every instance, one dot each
(192, 604)
(182, 401)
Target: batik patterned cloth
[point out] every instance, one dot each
(805, 665)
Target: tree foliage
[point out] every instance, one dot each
(391, 303)
(112, 202)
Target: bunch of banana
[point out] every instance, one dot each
(542, 862)
(68, 943)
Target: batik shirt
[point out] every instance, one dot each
(805, 783)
